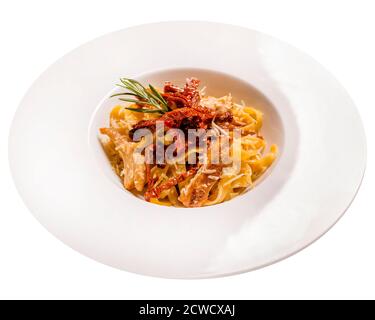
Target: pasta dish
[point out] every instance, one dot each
(181, 147)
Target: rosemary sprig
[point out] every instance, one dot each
(144, 96)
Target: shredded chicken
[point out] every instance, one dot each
(156, 191)
(199, 187)
(134, 172)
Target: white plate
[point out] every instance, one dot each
(66, 182)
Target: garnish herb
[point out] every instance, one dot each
(149, 96)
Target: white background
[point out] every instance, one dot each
(339, 34)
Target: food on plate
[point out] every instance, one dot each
(181, 147)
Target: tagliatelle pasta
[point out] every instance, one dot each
(179, 147)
